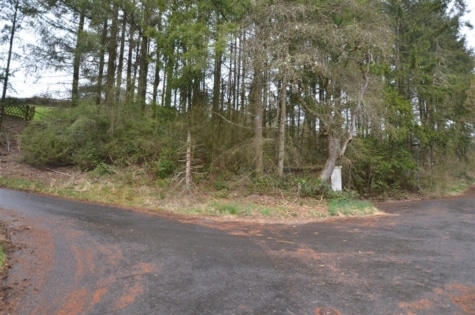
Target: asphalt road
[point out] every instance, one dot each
(79, 258)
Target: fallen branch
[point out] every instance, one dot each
(57, 172)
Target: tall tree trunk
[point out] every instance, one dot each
(282, 119)
(112, 56)
(143, 72)
(120, 65)
(156, 83)
(135, 69)
(129, 89)
(156, 78)
(243, 67)
(240, 70)
(189, 157)
(217, 81)
(77, 59)
(169, 77)
(256, 99)
(102, 53)
(10, 49)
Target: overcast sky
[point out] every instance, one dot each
(57, 85)
(470, 34)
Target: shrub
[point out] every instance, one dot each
(375, 167)
(87, 136)
(314, 187)
(164, 168)
(65, 137)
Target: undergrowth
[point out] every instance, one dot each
(131, 158)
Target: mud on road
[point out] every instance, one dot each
(77, 258)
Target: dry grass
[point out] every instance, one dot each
(130, 188)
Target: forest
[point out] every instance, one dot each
(273, 90)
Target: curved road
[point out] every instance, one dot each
(80, 258)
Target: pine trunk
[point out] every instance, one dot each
(258, 120)
(189, 156)
(143, 72)
(112, 56)
(77, 60)
(120, 65)
(10, 50)
(283, 115)
(102, 53)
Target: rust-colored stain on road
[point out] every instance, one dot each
(461, 295)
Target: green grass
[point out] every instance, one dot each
(215, 208)
(3, 256)
(227, 209)
(41, 112)
(349, 207)
(223, 208)
(21, 184)
(460, 186)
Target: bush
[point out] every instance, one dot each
(164, 168)
(314, 187)
(132, 144)
(377, 167)
(88, 136)
(65, 137)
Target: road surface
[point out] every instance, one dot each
(80, 258)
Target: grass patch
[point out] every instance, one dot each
(132, 187)
(223, 209)
(21, 184)
(3, 256)
(3, 239)
(220, 208)
(235, 208)
(41, 112)
(350, 207)
(265, 211)
(461, 185)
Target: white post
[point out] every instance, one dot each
(336, 179)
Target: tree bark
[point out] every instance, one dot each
(282, 118)
(333, 155)
(217, 81)
(112, 56)
(143, 72)
(169, 76)
(189, 157)
(130, 82)
(256, 99)
(156, 77)
(102, 53)
(10, 50)
(77, 60)
(120, 65)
